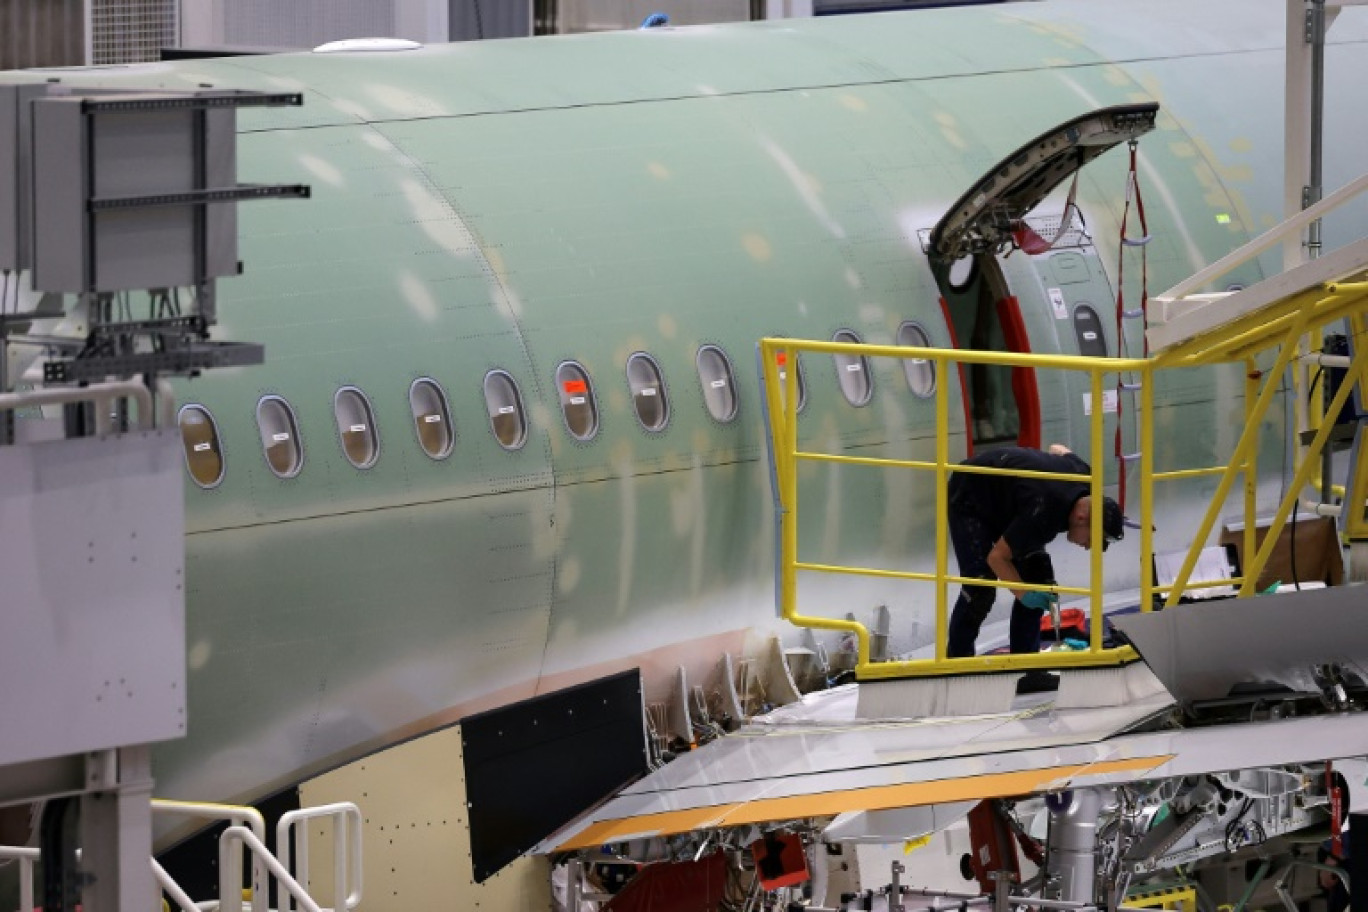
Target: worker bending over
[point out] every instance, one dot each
(1000, 525)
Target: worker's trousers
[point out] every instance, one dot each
(972, 542)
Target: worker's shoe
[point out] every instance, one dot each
(1037, 681)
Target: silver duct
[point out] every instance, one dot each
(1073, 840)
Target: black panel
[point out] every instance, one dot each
(531, 767)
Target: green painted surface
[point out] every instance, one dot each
(514, 204)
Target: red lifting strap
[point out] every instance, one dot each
(1132, 190)
(1025, 237)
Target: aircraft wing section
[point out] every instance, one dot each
(775, 772)
(816, 758)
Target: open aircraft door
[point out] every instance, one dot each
(983, 310)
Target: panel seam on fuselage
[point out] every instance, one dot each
(742, 93)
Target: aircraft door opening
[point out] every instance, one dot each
(1002, 404)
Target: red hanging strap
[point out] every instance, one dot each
(1026, 238)
(1132, 191)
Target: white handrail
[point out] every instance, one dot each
(1265, 241)
(346, 850)
(229, 848)
(102, 394)
(27, 857)
(230, 870)
(170, 888)
(233, 813)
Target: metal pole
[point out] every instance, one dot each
(1312, 194)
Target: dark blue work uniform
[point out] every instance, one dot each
(1028, 513)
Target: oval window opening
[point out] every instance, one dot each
(505, 407)
(199, 436)
(577, 400)
(648, 391)
(921, 373)
(1088, 331)
(852, 371)
(719, 386)
(356, 427)
(279, 436)
(431, 418)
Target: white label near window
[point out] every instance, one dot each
(201, 447)
(577, 400)
(357, 429)
(648, 391)
(1061, 311)
(1108, 402)
(1089, 335)
(507, 409)
(852, 367)
(718, 384)
(280, 438)
(431, 419)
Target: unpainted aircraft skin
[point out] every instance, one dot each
(512, 205)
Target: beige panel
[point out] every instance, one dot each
(416, 843)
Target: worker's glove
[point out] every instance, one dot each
(1040, 601)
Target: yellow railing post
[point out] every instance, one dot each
(1300, 477)
(1251, 515)
(942, 507)
(1146, 487)
(1096, 534)
(1248, 438)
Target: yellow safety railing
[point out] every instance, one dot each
(1238, 342)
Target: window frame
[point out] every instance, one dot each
(935, 378)
(1087, 307)
(589, 395)
(865, 368)
(446, 417)
(524, 424)
(373, 428)
(218, 440)
(294, 427)
(731, 381)
(663, 392)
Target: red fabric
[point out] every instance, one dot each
(779, 860)
(964, 384)
(1024, 388)
(679, 886)
(991, 847)
(1069, 618)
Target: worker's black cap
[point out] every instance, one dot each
(1113, 522)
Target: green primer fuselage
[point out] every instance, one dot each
(512, 205)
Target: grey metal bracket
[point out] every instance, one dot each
(197, 356)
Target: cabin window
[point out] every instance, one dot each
(506, 416)
(719, 385)
(920, 372)
(648, 391)
(279, 436)
(199, 436)
(577, 400)
(1088, 330)
(852, 371)
(431, 418)
(356, 427)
